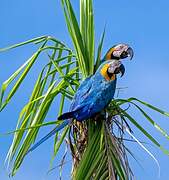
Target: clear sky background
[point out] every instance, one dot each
(142, 24)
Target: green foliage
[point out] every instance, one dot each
(97, 148)
(103, 158)
(55, 78)
(83, 35)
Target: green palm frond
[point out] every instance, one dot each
(105, 156)
(97, 145)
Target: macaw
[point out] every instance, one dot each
(117, 52)
(95, 92)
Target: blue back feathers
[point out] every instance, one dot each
(92, 96)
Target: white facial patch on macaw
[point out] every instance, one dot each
(113, 66)
(119, 49)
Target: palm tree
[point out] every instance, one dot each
(97, 147)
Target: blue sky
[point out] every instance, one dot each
(142, 24)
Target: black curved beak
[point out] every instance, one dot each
(127, 53)
(130, 53)
(120, 69)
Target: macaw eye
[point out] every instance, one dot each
(116, 53)
(110, 70)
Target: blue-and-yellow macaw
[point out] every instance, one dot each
(96, 91)
(117, 52)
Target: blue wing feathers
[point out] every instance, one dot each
(92, 96)
(81, 93)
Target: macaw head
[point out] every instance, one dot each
(119, 51)
(111, 68)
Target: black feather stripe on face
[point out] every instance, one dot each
(124, 54)
(109, 74)
(114, 57)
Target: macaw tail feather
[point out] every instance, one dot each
(72, 114)
(51, 133)
(67, 115)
